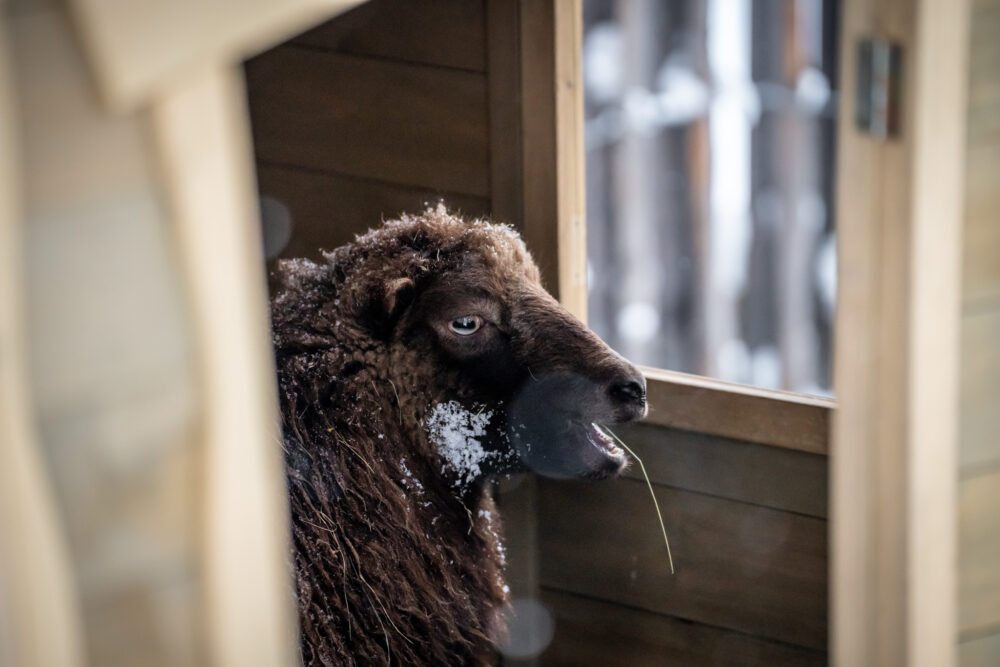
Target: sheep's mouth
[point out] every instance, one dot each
(611, 459)
(569, 448)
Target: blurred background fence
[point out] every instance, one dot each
(710, 160)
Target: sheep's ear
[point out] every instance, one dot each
(398, 295)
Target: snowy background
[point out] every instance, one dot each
(710, 162)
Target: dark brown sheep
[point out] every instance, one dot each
(415, 365)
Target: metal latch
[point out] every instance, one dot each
(877, 87)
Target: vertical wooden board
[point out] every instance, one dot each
(746, 568)
(772, 477)
(592, 632)
(378, 119)
(570, 156)
(980, 652)
(206, 160)
(980, 390)
(539, 160)
(39, 609)
(327, 210)
(979, 553)
(504, 77)
(443, 33)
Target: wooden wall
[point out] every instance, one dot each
(748, 529)
(394, 104)
(381, 111)
(979, 456)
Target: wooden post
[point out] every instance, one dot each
(39, 611)
(895, 433)
(204, 141)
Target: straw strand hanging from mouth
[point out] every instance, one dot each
(650, 485)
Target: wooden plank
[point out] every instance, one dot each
(381, 120)
(506, 184)
(39, 610)
(768, 476)
(138, 48)
(893, 476)
(445, 33)
(539, 161)
(327, 210)
(980, 652)
(204, 146)
(980, 391)
(704, 405)
(570, 156)
(592, 632)
(941, 55)
(979, 553)
(745, 568)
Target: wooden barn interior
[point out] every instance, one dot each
(859, 530)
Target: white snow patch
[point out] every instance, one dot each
(411, 481)
(455, 431)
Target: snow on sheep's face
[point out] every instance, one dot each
(545, 380)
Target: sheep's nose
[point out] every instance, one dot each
(630, 392)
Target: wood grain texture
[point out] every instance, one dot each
(445, 33)
(570, 156)
(741, 567)
(747, 472)
(979, 553)
(504, 52)
(780, 419)
(328, 209)
(592, 632)
(377, 119)
(539, 158)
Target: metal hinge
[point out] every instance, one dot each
(878, 87)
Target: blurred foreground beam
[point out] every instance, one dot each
(39, 611)
(141, 47)
(203, 136)
(895, 447)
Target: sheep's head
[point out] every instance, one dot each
(517, 371)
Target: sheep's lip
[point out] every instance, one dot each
(611, 458)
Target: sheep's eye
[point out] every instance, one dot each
(467, 325)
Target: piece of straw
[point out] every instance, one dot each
(655, 504)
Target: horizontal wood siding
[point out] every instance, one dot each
(328, 209)
(408, 124)
(733, 469)
(706, 405)
(380, 111)
(741, 566)
(592, 632)
(445, 33)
